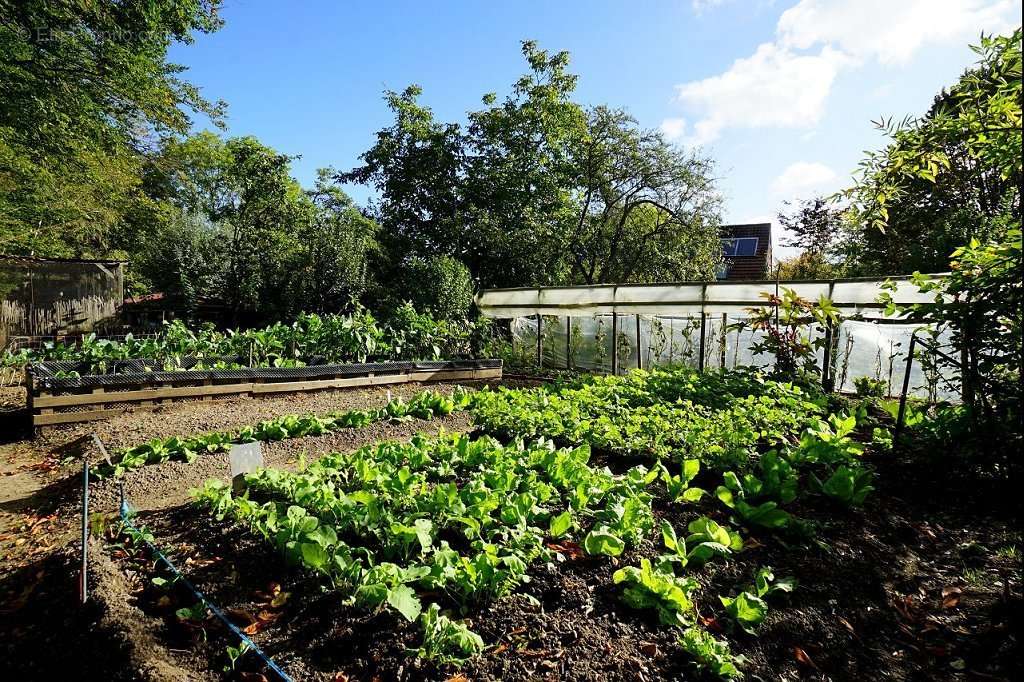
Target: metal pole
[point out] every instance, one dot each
(639, 361)
(84, 583)
(703, 326)
(826, 358)
(615, 343)
(540, 341)
(703, 330)
(568, 342)
(725, 337)
(906, 388)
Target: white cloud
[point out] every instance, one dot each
(888, 31)
(786, 83)
(801, 176)
(773, 87)
(673, 128)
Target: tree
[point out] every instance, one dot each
(946, 178)
(337, 244)
(815, 226)
(648, 211)
(86, 92)
(538, 190)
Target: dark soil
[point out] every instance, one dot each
(916, 586)
(921, 584)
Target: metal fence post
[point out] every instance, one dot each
(639, 353)
(901, 415)
(703, 327)
(540, 343)
(725, 339)
(615, 343)
(568, 342)
(84, 583)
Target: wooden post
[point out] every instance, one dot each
(639, 354)
(906, 387)
(615, 343)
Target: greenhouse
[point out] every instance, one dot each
(615, 328)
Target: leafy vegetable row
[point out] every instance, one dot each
(426, 404)
(356, 337)
(719, 418)
(387, 521)
(463, 520)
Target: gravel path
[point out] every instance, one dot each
(158, 486)
(190, 418)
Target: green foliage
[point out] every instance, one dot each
(650, 587)
(387, 522)
(749, 608)
(439, 285)
(980, 305)
(355, 337)
(946, 178)
(848, 484)
(445, 640)
(679, 414)
(86, 87)
(424, 405)
(868, 387)
(535, 189)
(788, 323)
(711, 654)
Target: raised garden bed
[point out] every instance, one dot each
(58, 394)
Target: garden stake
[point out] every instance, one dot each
(906, 387)
(84, 581)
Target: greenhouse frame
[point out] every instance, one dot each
(617, 327)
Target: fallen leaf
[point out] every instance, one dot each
(570, 549)
(279, 600)
(499, 649)
(458, 678)
(340, 677)
(649, 649)
(240, 616)
(950, 597)
(802, 658)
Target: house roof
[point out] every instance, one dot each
(749, 267)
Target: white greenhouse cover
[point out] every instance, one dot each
(689, 298)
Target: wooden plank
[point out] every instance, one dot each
(46, 404)
(290, 386)
(142, 394)
(86, 416)
(444, 375)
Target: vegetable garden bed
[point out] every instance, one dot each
(58, 394)
(656, 535)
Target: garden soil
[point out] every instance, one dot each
(921, 584)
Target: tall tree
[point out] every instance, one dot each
(815, 226)
(647, 210)
(86, 89)
(948, 177)
(537, 190)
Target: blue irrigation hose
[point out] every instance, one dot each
(125, 514)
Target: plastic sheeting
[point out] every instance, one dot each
(862, 348)
(852, 296)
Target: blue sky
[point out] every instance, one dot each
(780, 93)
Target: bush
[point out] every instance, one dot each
(439, 285)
